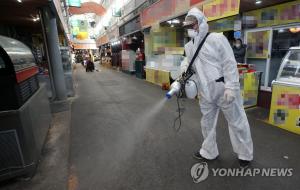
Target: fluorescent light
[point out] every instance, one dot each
(258, 2)
(176, 21)
(20, 1)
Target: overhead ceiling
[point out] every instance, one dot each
(248, 5)
(18, 14)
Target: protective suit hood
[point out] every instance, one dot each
(202, 22)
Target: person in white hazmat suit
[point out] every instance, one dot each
(217, 79)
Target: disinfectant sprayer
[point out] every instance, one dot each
(184, 85)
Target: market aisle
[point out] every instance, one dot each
(114, 147)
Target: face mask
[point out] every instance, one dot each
(238, 45)
(192, 33)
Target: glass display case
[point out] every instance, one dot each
(289, 71)
(18, 74)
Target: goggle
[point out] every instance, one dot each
(189, 24)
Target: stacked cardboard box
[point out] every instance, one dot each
(128, 60)
(106, 62)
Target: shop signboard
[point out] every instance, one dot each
(74, 3)
(165, 9)
(284, 112)
(113, 34)
(157, 12)
(237, 25)
(276, 15)
(79, 29)
(221, 8)
(194, 2)
(59, 11)
(131, 26)
(116, 12)
(130, 6)
(102, 40)
(182, 6)
(257, 43)
(222, 25)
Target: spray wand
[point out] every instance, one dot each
(180, 87)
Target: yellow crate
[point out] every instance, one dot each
(150, 75)
(158, 77)
(249, 89)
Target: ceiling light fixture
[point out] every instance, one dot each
(176, 21)
(36, 19)
(258, 2)
(20, 1)
(294, 30)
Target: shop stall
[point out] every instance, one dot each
(165, 48)
(140, 64)
(132, 47)
(166, 57)
(128, 61)
(285, 105)
(164, 38)
(105, 51)
(269, 33)
(116, 47)
(106, 59)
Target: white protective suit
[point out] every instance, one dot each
(215, 60)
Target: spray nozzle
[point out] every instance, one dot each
(175, 88)
(168, 96)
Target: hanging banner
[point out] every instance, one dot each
(221, 8)
(79, 29)
(276, 15)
